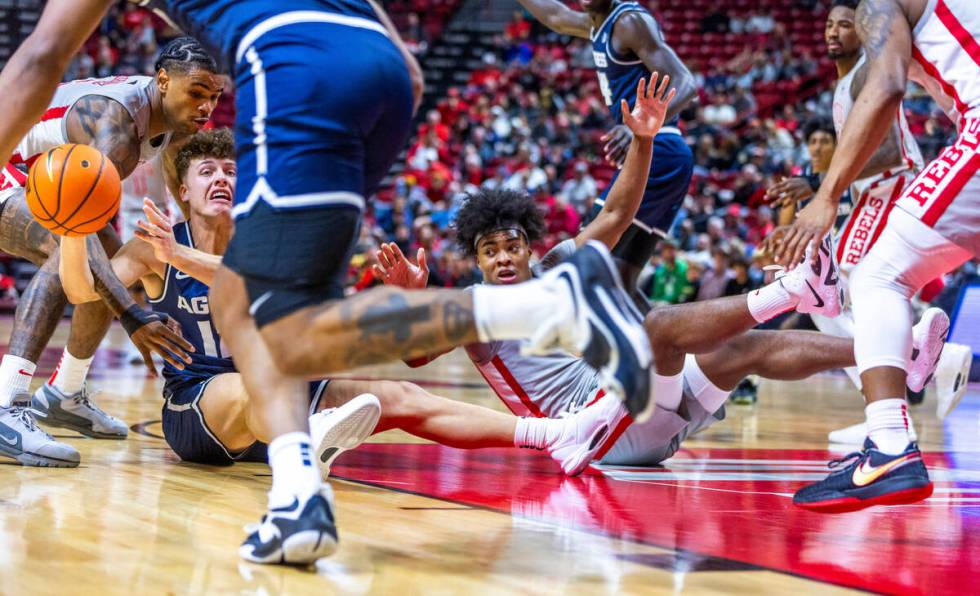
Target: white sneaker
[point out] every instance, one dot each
(22, 440)
(928, 337)
(585, 433)
(76, 412)
(856, 433)
(816, 285)
(952, 376)
(338, 429)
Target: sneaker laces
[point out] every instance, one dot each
(23, 414)
(82, 398)
(845, 461)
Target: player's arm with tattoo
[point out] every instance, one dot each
(30, 77)
(886, 35)
(554, 15)
(106, 125)
(889, 153)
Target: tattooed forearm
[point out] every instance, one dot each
(110, 289)
(106, 125)
(889, 153)
(874, 21)
(21, 235)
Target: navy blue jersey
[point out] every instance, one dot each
(186, 300)
(618, 74)
(220, 25)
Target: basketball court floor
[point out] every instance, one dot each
(420, 518)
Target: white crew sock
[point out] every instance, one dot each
(15, 377)
(770, 301)
(888, 425)
(513, 312)
(293, 472)
(70, 375)
(669, 390)
(537, 433)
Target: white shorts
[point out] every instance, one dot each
(874, 199)
(658, 438)
(946, 194)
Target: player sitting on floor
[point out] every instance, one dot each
(205, 415)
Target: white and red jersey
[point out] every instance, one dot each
(946, 56)
(133, 93)
(844, 102)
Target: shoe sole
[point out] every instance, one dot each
(40, 461)
(960, 383)
(848, 504)
(614, 303)
(584, 456)
(82, 430)
(933, 349)
(359, 421)
(301, 548)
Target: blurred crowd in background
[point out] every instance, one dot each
(531, 118)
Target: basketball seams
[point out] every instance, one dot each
(39, 200)
(95, 182)
(61, 178)
(72, 230)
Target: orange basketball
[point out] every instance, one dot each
(73, 190)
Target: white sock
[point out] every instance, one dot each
(70, 375)
(293, 472)
(15, 377)
(770, 301)
(888, 425)
(513, 312)
(668, 390)
(537, 433)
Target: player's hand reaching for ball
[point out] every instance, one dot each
(395, 270)
(157, 232)
(650, 109)
(809, 229)
(789, 191)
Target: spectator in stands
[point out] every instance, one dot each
(580, 189)
(669, 283)
(740, 282)
(720, 112)
(714, 281)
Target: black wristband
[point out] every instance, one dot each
(136, 317)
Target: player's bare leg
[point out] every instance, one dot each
(571, 441)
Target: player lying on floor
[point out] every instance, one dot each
(206, 414)
(701, 350)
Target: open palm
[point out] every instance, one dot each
(647, 115)
(394, 269)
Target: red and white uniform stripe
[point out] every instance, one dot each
(133, 93)
(946, 56)
(946, 61)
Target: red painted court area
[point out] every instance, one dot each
(717, 509)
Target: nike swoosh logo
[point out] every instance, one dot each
(9, 436)
(181, 275)
(25, 373)
(258, 303)
(292, 507)
(866, 474)
(815, 295)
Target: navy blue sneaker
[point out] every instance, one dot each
(868, 477)
(605, 327)
(298, 534)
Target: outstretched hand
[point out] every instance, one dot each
(809, 229)
(157, 232)
(650, 109)
(394, 269)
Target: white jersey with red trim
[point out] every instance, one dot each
(843, 103)
(133, 93)
(545, 386)
(946, 56)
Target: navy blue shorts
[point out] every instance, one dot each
(323, 109)
(187, 432)
(670, 177)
